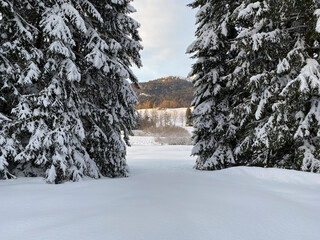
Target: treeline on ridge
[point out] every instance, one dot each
(168, 92)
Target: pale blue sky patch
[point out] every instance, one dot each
(167, 29)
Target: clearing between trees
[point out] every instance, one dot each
(165, 198)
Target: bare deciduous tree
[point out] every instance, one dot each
(174, 117)
(154, 115)
(167, 118)
(182, 118)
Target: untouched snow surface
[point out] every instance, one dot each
(165, 199)
(143, 141)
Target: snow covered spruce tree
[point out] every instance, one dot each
(19, 61)
(273, 82)
(111, 46)
(260, 45)
(50, 125)
(213, 137)
(277, 38)
(77, 102)
(297, 113)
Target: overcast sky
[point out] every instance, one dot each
(167, 29)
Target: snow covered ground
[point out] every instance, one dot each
(177, 116)
(165, 199)
(143, 141)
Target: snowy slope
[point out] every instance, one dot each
(165, 199)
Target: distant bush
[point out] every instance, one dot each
(139, 133)
(170, 135)
(168, 131)
(173, 140)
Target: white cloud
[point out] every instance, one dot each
(157, 18)
(167, 28)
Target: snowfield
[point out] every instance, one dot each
(165, 199)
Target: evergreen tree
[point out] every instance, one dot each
(272, 84)
(110, 49)
(19, 60)
(212, 95)
(189, 117)
(276, 38)
(148, 104)
(261, 42)
(75, 98)
(49, 113)
(297, 113)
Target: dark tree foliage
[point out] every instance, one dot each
(67, 98)
(257, 96)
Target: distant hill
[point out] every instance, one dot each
(165, 92)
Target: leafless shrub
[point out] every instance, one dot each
(139, 133)
(171, 135)
(173, 140)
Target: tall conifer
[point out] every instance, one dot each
(75, 98)
(212, 94)
(272, 83)
(19, 66)
(109, 50)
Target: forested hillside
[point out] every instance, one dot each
(167, 92)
